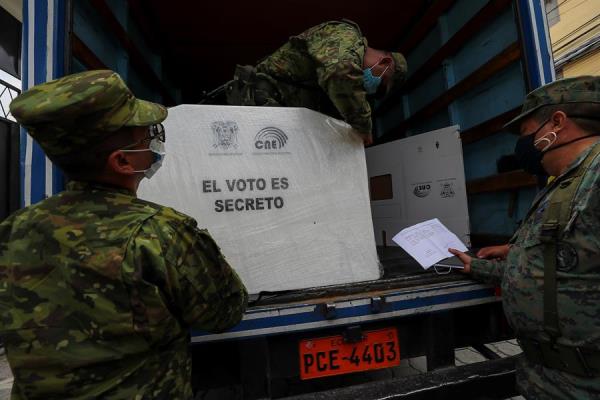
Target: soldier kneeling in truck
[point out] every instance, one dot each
(328, 68)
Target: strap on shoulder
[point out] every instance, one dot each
(554, 221)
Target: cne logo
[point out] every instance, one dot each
(422, 190)
(270, 139)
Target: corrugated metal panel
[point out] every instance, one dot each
(43, 55)
(43, 60)
(536, 38)
(522, 22)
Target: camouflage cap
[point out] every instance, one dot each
(79, 110)
(580, 89)
(400, 70)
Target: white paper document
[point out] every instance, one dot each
(428, 242)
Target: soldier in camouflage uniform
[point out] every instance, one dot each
(99, 289)
(550, 278)
(328, 68)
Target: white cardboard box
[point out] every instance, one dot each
(427, 179)
(282, 190)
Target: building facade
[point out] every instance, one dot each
(575, 35)
(10, 87)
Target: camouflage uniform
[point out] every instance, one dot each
(321, 69)
(523, 275)
(99, 289)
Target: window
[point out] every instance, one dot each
(381, 187)
(8, 93)
(10, 61)
(10, 44)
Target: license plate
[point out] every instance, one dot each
(332, 356)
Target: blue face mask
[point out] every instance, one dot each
(157, 148)
(370, 82)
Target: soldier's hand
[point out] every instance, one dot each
(494, 252)
(367, 138)
(464, 258)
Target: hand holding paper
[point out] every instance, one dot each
(428, 242)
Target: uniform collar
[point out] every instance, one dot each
(550, 186)
(90, 186)
(580, 158)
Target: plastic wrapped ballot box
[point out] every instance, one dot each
(283, 191)
(416, 179)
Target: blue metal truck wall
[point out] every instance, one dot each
(45, 45)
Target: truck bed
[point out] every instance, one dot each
(405, 289)
(400, 271)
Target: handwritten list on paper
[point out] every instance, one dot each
(428, 242)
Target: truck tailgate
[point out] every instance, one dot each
(405, 289)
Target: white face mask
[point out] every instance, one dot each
(158, 150)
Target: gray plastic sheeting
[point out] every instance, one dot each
(282, 190)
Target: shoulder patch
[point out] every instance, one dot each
(566, 257)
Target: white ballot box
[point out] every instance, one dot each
(283, 191)
(417, 179)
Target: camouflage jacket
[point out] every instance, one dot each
(99, 291)
(521, 277)
(320, 67)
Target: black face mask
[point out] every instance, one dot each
(528, 155)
